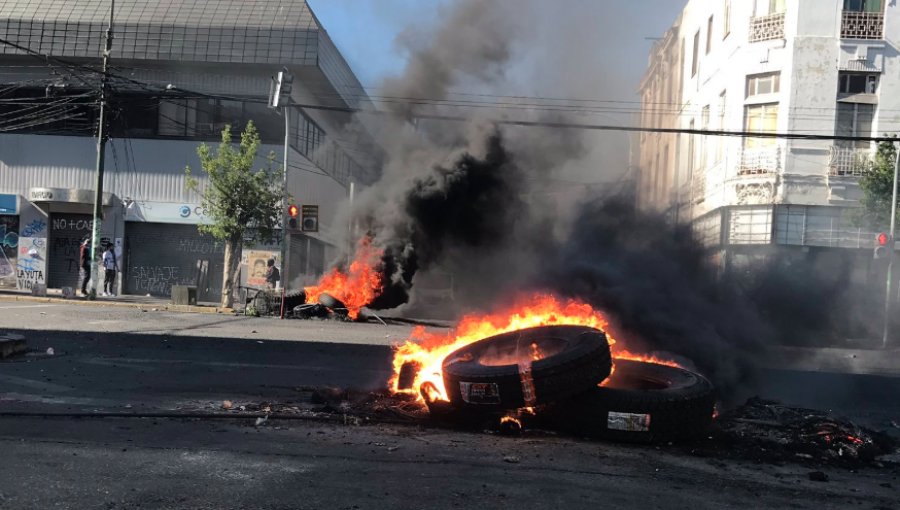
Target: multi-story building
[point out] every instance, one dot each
(826, 67)
(180, 72)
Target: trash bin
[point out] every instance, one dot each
(184, 295)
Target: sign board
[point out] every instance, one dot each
(310, 218)
(8, 204)
(257, 264)
(166, 212)
(74, 196)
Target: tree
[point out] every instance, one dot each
(244, 204)
(877, 185)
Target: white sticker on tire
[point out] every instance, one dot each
(480, 393)
(628, 422)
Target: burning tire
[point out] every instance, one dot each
(528, 367)
(641, 402)
(330, 301)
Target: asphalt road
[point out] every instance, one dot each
(165, 464)
(132, 360)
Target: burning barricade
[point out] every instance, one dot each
(553, 363)
(342, 294)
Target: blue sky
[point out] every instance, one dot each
(365, 31)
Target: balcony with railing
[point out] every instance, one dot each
(849, 162)
(760, 160)
(862, 25)
(766, 28)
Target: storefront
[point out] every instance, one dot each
(164, 248)
(53, 222)
(9, 240)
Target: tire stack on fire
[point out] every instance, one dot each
(563, 377)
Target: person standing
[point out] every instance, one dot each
(111, 265)
(272, 275)
(84, 265)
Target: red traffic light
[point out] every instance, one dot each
(293, 211)
(882, 239)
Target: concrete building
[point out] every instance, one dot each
(787, 66)
(181, 71)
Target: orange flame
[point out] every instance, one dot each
(428, 350)
(358, 286)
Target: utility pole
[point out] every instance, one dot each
(350, 237)
(101, 157)
(891, 254)
(282, 86)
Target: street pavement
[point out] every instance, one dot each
(146, 360)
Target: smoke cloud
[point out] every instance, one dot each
(506, 210)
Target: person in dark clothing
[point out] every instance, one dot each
(272, 274)
(85, 265)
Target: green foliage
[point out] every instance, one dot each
(877, 185)
(242, 203)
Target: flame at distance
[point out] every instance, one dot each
(429, 350)
(356, 287)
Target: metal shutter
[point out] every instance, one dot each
(162, 255)
(63, 252)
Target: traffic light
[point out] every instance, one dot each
(293, 212)
(881, 245)
(282, 84)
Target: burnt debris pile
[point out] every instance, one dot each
(765, 429)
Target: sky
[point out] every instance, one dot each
(366, 31)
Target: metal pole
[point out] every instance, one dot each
(101, 159)
(284, 204)
(891, 245)
(350, 228)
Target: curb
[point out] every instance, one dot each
(159, 307)
(11, 344)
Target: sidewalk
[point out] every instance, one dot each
(126, 301)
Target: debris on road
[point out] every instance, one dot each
(769, 430)
(50, 351)
(227, 404)
(818, 476)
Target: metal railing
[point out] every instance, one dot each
(849, 162)
(862, 25)
(766, 28)
(759, 160)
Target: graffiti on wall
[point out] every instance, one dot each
(34, 229)
(31, 263)
(156, 280)
(9, 243)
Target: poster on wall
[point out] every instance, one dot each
(257, 263)
(9, 245)
(30, 268)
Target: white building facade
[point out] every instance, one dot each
(827, 67)
(181, 72)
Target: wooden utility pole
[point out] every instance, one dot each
(101, 157)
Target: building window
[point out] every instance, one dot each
(858, 83)
(178, 117)
(767, 7)
(760, 118)
(863, 5)
(709, 35)
(695, 64)
(854, 119)
(762, 84)
(727, 19)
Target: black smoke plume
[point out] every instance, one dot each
(471, 206)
